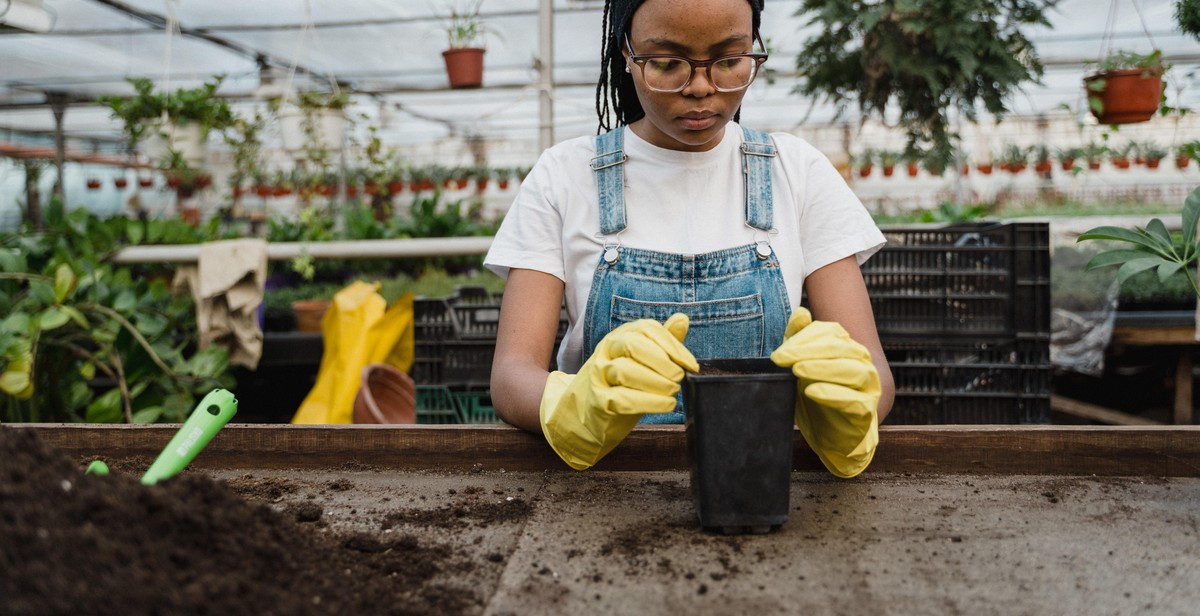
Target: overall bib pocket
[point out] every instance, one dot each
(725, 328)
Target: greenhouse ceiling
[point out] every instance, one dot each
(387, 53)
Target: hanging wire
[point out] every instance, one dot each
(1138, 7)
(1109, 25)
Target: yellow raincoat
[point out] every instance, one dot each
(358, 329)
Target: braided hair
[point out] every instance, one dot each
(614, 91)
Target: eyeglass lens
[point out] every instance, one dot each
(729, 73)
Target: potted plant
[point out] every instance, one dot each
(1015, 159)
(1151, 154)
(1126, 87)
(313, 127)
(1120, 157)
(1042, 164)
(887, 161)
(464, 58)
(170, 123)
(1094, 154)
(1152, 247)
(912, 163)
(865, 162)
(1187, 152)
(1068, 156)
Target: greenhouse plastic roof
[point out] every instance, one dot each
(388, 53)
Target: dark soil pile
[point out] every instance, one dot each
(72, 543)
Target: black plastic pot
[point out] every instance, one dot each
(739, 435)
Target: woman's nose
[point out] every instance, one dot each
(700, 85)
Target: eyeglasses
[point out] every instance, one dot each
(670, 73)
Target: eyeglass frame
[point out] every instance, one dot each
(640, 59)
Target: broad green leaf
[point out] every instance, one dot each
(1191, 217)
(1113, 257)
(87, 370)
(1138, 265)
(1166, 270)
(1123, 235)
(14, 383)
(1158, 230)
(64, 282)
(75, 315)
(53, 317)
(151, 325)
(12, 261)
(134, 231)
(125, 303)
(42, 291)
(148, 415)
(17, 323)
(106, 408)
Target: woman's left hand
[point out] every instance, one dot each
(838, 392)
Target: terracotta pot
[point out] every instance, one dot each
(1043, 166)
(1122, 163)
(93, 184)
(888, 170)
(1128, 96)
(1153, 163)
(503, 184)
(1181, 162)
(146, 182)
(190, 215)
(464, 67)
(984, 169)
(1093, 165)
(864, 171)
(1068, 164)
(120, 182)
(385, 396)
(481, 184)
(912, 170)
(309, 313)
(395, 187)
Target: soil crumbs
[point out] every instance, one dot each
(72, 543)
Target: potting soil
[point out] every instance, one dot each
(72, 543)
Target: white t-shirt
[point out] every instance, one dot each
(677, 202)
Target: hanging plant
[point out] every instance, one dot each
(1187, 13)
(464, 57)
(926, 58)
(180, 121)
(1126, 87)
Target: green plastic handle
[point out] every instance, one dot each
(213, 412)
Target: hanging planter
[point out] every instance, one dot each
(189, 140)
(464, 58)
(310, 134)
(984, 168)
(464, 67)
(93, 183)
(146, 181)
(1127, 88)
(120, 183)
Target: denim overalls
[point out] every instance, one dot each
(735, 298)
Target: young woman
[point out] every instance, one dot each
(676, 235)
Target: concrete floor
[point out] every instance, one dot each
(628, 542)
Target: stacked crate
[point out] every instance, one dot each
(963, 313)
(964, 316)
(455, 344)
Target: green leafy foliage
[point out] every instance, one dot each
(1152, 248)
(146, 108)
(924, 57)
(1187, 13)
(85, 339)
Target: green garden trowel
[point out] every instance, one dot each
(213, 412)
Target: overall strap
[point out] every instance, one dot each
(757, 152)
(608, 165)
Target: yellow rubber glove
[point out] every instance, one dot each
(636, 369)
(837, 396)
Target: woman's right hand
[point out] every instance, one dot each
(635, 369)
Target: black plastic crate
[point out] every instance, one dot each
(433, 320)
(952, 382)
(977, 280)
(468, 363)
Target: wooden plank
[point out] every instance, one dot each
(1183, 412)
(1166, 451)
(1150, 336)
(1095, 412)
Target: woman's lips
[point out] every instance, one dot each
(698, 121)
